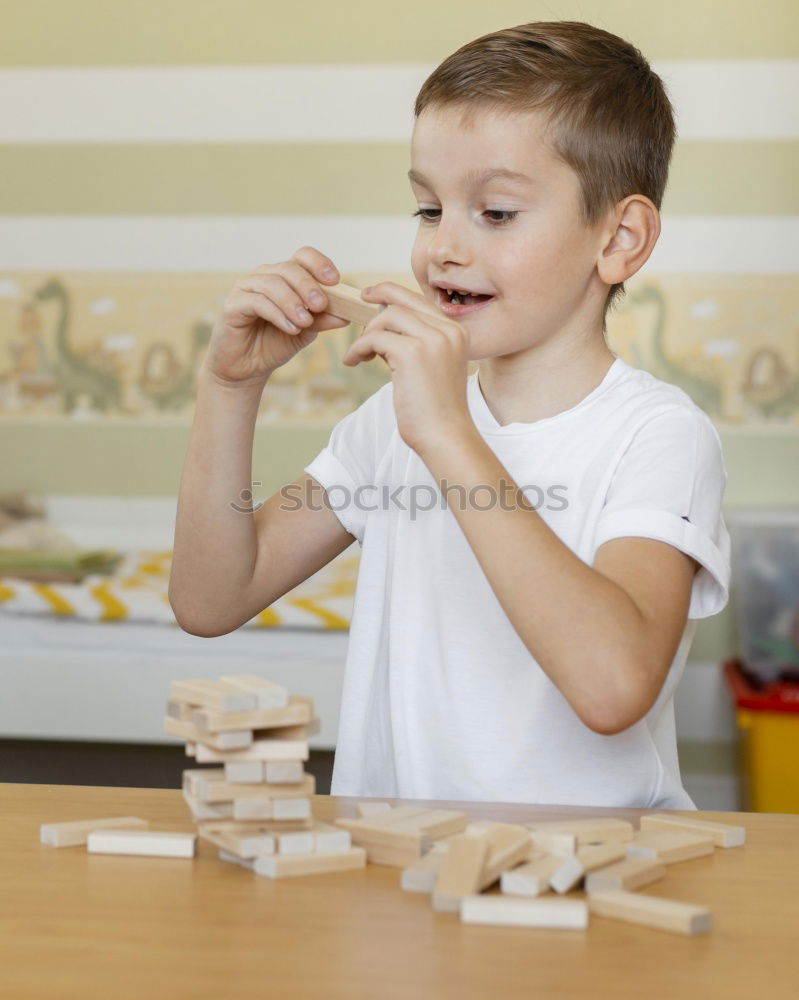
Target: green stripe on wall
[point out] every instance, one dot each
(708, 178)
(239, 32)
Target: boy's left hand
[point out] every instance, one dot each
(428, 356)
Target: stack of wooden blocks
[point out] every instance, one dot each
(255, 807)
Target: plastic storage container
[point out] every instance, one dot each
(768, 719)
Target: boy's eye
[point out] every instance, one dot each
(424, 213)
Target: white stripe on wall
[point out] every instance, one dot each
(748, 244)
(713, 99)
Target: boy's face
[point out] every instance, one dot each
(540, 266)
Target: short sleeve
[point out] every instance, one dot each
(346, 467)
(669, 485)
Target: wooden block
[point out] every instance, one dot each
(212, 695)
(531, 878)
(291, 808)
(222, 791)
(283, 771)
(142, 842)
(234, 859)
(367, 809)
(633, 873)
(366, 833)
(460, 871)
(587, 859)
(508, 845)
(435, 823)
(330, 839)
(195, 778)
(260, 750)
(421, 876)
(513, 911)
(244, 771)
(234, 739)
(267, 693)
(345, 302)
(296, 732)
(179, 710)
(299, 711)
(650, 911)
(394, 857)
(296, 842)
(207, 810)
(555, 836)
(253, 808)
(286, 866)
(191, 749)
(242, 843)
(723, 834)
(76, 832)
(669, 847)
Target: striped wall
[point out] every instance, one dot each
(150, 153)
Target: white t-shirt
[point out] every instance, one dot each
(441, 698)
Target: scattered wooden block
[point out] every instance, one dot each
(435, 823)
(267, 693)
(421, 876)
(669, 847)
(394, 857)
(633, 873)
(212, 695)
(142, 842)
(259, 750)
(329, 839)
(244, 772)
(650, 911)
(723, 834)
(587, 859)
(286, 865)
(494, 908)
(508, 845)
(234, 859)
(368, 809)
(531, 878)
(555, 837)
(299, 711)
(345, 302)
(76, 832)
(295, 842)
(234, 739)
(460, 871)
(370, 833)
(283, 771)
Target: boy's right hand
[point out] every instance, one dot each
(258, 330)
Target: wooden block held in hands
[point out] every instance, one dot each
(345, 302)
(651, 911)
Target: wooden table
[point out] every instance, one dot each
(80, 925)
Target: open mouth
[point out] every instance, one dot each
(455, 303)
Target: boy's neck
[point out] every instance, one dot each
(527, 388)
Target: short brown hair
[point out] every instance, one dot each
(612, 121)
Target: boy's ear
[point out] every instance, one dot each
(631, 237)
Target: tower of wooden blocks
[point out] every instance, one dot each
(255, 806)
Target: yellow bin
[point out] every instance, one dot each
(769, 723)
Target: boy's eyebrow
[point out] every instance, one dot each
(476, 178)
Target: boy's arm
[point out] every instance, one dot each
(605, 634)
(228, 564)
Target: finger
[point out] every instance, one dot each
(401, 319)
(247, 304)
(383, 343)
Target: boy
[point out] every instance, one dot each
(538, 538)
